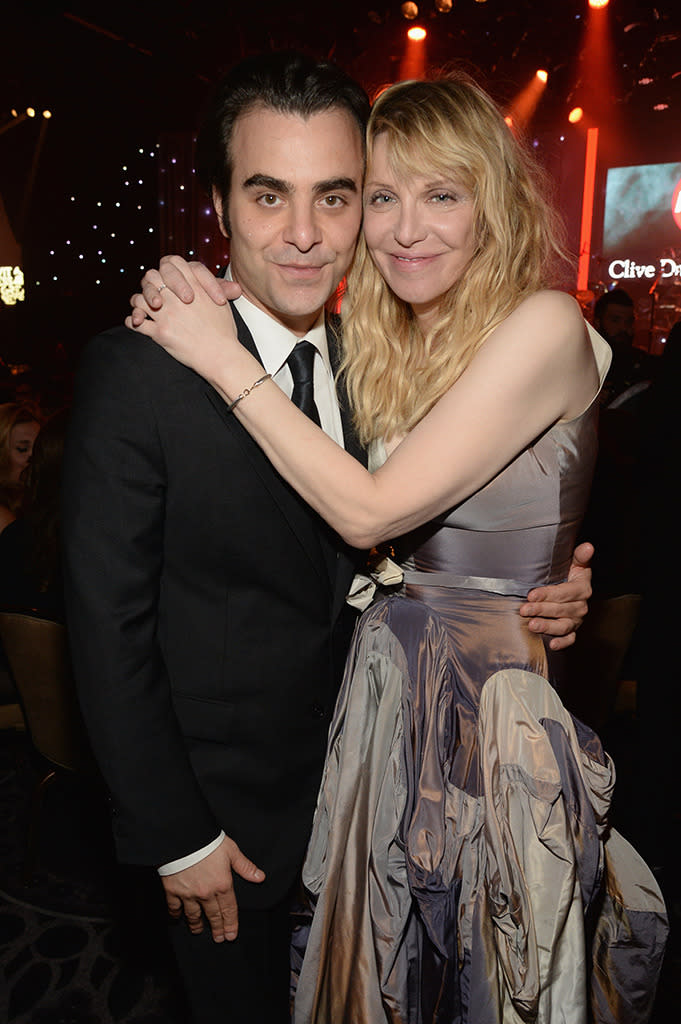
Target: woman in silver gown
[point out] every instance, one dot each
(461, 858)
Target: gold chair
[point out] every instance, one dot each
(38, 657)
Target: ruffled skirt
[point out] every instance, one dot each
(461, 861)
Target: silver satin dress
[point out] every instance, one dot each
(461, 860)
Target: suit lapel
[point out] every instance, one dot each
(303, 522)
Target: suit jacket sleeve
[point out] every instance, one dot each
(114, 494)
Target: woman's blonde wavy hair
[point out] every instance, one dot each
(446, 127)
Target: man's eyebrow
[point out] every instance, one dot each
(266, 181)
(340, 184)
(335, 185)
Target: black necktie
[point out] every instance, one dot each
(300, 364)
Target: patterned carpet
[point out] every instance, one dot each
(84, 943)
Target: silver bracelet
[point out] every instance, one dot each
(247, 391)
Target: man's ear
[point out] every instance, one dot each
(218, 206)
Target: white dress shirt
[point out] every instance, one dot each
(275, 344)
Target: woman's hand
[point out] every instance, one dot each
(198, 332)
(176, 274)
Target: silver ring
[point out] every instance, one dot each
(161, 287)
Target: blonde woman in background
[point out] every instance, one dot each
(19, 427)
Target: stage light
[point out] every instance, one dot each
(30, 111)
(509, 121)
(11, 285)
(443, 6)
(416, 34)
(575, 115)
(542, 75)
(410, 10)
(661, 106)
(597, 5)
(47, 114)
(646, 81)
(590, 161)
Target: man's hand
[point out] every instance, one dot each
(559, 610)
(172, 274)
(206, 889)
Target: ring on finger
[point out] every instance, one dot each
(162, 286)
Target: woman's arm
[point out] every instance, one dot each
(535, 369)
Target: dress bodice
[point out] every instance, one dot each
(522, 524)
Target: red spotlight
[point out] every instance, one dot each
(542, 75)
(575, 115)
(597, 5)
(416, 34)
(587, 208)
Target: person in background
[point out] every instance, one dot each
(30, 565)
(19, 427)
(631, 369)
(614, 520)
(655, 805)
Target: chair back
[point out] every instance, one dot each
(38, 657)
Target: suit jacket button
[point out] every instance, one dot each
(317, 710)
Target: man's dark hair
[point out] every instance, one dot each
(287, 82)
(617, 297)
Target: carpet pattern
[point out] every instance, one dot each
(71, 969)
(84, 943)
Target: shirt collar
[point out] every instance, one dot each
(274, 341)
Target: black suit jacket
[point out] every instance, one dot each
(205, 606)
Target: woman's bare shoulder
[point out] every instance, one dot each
(545, 325)
(551, 323)
(554, 306)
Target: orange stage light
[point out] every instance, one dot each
(416, 34)
(542, 75)
(575, 115)
(587, 208)
(597, 5)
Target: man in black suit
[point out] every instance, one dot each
(205, 601)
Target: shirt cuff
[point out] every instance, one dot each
(192, 858)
